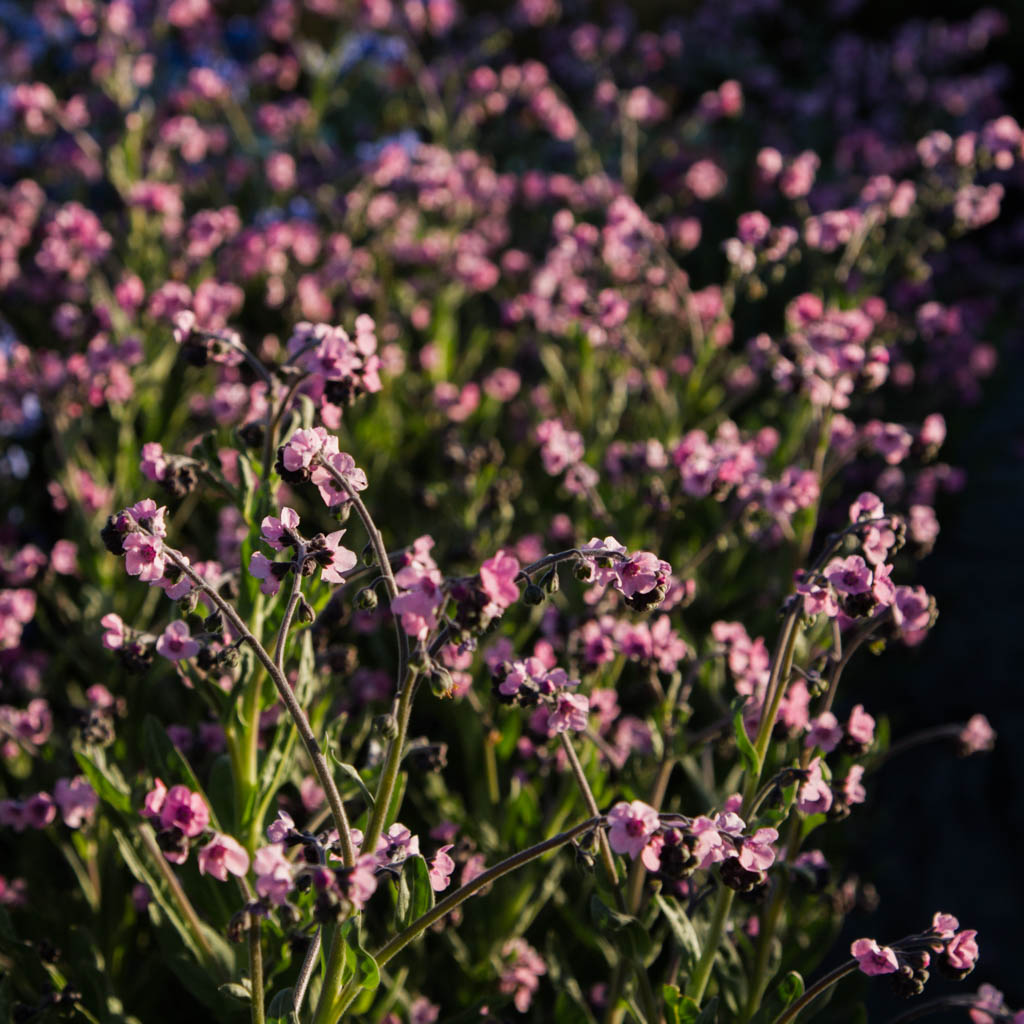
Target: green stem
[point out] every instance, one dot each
(287, 696)
(189, 912)
(256, 972)
(698, 982)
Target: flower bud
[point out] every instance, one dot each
(366, 599)
(441, 683)
(305, 612)
(386, 726)
(533, 595)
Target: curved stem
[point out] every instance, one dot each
(286, 694)
(306, 972)
(444, 907)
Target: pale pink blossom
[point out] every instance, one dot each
(222, 855)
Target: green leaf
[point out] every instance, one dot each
(682, 928)
(280, 1009)
(353, 773)
(416, 877)
(626, 931)
(568, 1011)
(691, 1013)
(108, 782)
(359, 964)
(673, 1000)
(238, 991)
(787, 992)
(743, 744)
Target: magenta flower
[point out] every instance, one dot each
(632, 825)
(221, 855)
(176, 642)
(362, 880)
(944, 925)
(560, 448)
(441, 868)
(114, 631)
(143, 557)
(418, 608)
(874, 959)
(274, 873)
(77, 800)
(279, 533)
(867, 506)
(498, 578)
(183, 809)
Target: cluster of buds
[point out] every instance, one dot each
(909, 959)
(176, 474)
(199, 347)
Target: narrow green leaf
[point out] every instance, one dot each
(416, 874)
(682, 928)
(280, 1008)
(743, 744)
(105, 779)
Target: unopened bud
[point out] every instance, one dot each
(305, 612)
(533, 595)
(368, 556)
(441, 683)
(386, 726)
(550, 582)
(366, 599)
(583, 571)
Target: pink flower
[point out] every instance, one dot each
(570, 714)
(64, 557)
(274, 873)
(183, 809)
(989, 998)
(153, 463)
(77, 800)
(962, 951)
(867, 506)
(498, 578)
(825, 732)
(874, 959)
(849, 575)
(861, 726)
(944, 925)
(853, 791)
(521, 975)
(176, 642)
(560, 448)
(441, 868)
(976, 735)
(632, 825)
(143, 557)
(221, 855)
(278, 829)
(114, 635)
(641, 573)
(278, 533)
(154, 800)
(340, 559)
(330, 490)
(301, 448)
(263, 569)
(815, 794)
(756, 853)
